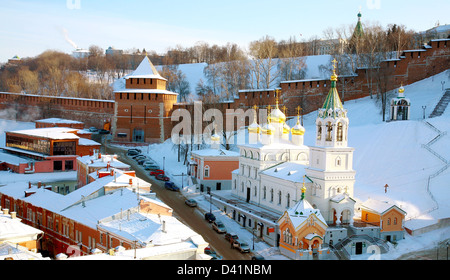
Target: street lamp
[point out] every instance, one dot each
(424, 107)
(164, 162)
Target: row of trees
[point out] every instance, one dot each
(229, 68)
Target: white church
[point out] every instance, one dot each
(275, 163)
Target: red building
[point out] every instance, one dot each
(45, 150)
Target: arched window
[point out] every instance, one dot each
(288, 198)
(395, 221)
(242, 187)
(279, 197)
(206, 174)
(319, 131)
(340, 132)
(264, 192)
(389, 221)
(271, 195)
(329, 131)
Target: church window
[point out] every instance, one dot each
(338, 161)
(242, 187)
(340, 132)
(271, 195)
(255, 191)
(319, 131)
(288, 203)
(264, 192)
(329, 130)
(279, 197)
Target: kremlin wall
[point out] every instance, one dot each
(141, 110)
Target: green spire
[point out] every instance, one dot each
(359, 32)
(333, 101)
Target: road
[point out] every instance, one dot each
(191, 217)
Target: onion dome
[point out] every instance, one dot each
(286, 128)
(401, 92)
(268, 129)
(298, 129)
(215, 137)
(254, 128)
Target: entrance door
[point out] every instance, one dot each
(218, 186)
(138, 135)
(358, 248)
(248, 195)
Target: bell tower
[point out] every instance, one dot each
(331, 160)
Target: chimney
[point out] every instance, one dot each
(13, 215)
(107, 166)
(99, 155)
(29, 185)
(5, 211)
(131, 181)
(39, 185)
(112, 172)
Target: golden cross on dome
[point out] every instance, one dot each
(284, 109)
(299, 109)
(334, 64)
(255, 107)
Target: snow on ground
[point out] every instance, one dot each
(385, 153)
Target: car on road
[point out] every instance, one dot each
(230, 236)
(142, 161)
(151, 167)
(140, 157)
(156, 172)
(162, 177)
(191, 202)
(257, 257)
(132, 153)
(171, 186)
(219, 227)
(103, 131)
(241, 246)
(93, 129)
(210, 217)
(210, 252)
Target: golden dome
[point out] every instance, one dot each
(268, 129)
(286, 128)
(277, 116)
(254, 128)
(298, 129)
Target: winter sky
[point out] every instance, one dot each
(32, 26)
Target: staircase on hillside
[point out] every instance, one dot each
(442, 105)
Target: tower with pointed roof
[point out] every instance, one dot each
(331, 161)
(357, 35)
(143, 106)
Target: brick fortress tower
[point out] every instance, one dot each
(143, 106)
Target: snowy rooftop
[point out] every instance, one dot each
(56, 133)
(378, 206)
(12, 228)
(58, 120)
(215, 153)
(97, 160)
(145, 70)
(301, 211)
(289, 171)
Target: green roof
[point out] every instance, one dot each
(332, 101)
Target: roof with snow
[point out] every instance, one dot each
(302, 211)
(289, 171)
(215, 153)
(56, 133)
(58, 120)
(145, 70)
(379, 207)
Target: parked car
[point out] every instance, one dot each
(230, 236)
(156, 172)
(219, 227)
(162, 177)
(171, 186)
(210, 217)
(93, 129)
(241, 246)
(103, 131)
(210, 252)
(137, 157)
(191, 202)
(132, 153)
(257, 257)
(141, 161)
(151, 167)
